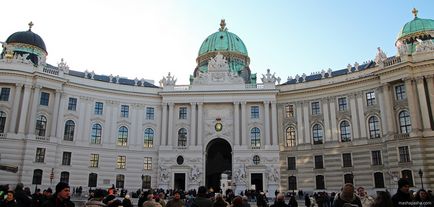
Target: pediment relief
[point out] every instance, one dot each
(400, 105)
(218, 73)
(372, 112)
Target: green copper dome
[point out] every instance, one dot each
(416, 26)
(223, 41)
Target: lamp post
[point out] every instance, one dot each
(421, 175)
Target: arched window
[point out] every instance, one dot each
(120, 180)
(374, 127)
(37, 177)
(407, 174)
(68, 135)
(319, 180)
(292, 183)
(378, 180)
(318, 134)
(348, 178)
(64, 177)
(41, 125)
(2, 121)
(95, 137)
(182, 137)
(345, 131)
(146, 182)
(93, 179)
(404, 122)
(290, 137)
(148, 140)
(255, 137)
(122, 136)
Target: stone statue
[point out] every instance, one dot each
(194, 174)
(164, 174)
(240, 174)
(381, 56)
(273, 175)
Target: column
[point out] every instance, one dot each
(113, 136)
(274, 123)
(327, 128)
(244, 124)
(164, 125)
(80, 123)
(354, 119)
(34, 110)
(362, 122)
(333, 128)
(55, 120)
(306, 124)
(430, 84)
(423, 103)
(170, 127)
(87, 124)
(15, 103)
(267, 122)
(199, 123)
(193, 124)
(390, 118)
(61, 111)
(237, 123)
(24, 109)
(382, 93)
(300, 127)
(136, 128)
(412, 105)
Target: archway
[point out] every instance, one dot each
(218, 160)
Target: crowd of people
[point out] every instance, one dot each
(347, 197)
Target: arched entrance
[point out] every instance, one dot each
(218, 160)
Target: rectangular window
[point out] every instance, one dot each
(125, 110)
(66, 158)
(94, 160)
(121, 162)
(72, 104)
(291, 163)
(98, 108)
(45, 98)
(319, 164)
(289, 111)
(343, 104)
(150, 113)
(404, 154)
(376, 157)
(40, 155)
(147, 164)
(254, 112)
(182, 112)
(370, 98)
(346, 160)
(315, 108)
(400, 92)
(4, 94)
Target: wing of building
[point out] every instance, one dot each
(366, 124)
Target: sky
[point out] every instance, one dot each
(150, 38)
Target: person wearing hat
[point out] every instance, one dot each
(402, 196)
(96, 201)
(201, 200)
(176, 200)
(60, 198)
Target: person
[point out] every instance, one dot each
(307, 202)
(293, 202)
(150, 201)
(201, 200)
(423, 199)
(245, 201)
(160, 199)
(219, 201)
(23, 200)
(176, 200)
(402, 196)
(126, 202)
(261, 200)
(366, 200)
(237, 202)
(96, 201)
(280, 201)
(9, 201)
(347, 196)
(46, 194)
(383, 199)
(60, 197)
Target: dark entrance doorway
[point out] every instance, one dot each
(256, 179)
(218, 160)
(180, 181)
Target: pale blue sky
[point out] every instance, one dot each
(148, 39)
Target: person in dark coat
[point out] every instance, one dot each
(21, 197)
(307, 202)
(347, 196)
(280, 201)
(402, 196)
(61, 197)
(9, 201)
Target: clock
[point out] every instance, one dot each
(218, 126)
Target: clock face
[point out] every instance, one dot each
(218, 127)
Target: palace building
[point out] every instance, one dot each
(368, 124)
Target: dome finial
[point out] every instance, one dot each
(414, 11)
(222, 25)
(30, 25)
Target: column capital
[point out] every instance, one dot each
(266, 102)
(171, 104)
(407, 79)
(419, 79)
(325, 99)
(59, 91)
(236, 103)
(200, 103)
(430, 76)
(37, 86)
(193, 103)
(27, 86)
(19, 85)
(273, 102)
(243, 102)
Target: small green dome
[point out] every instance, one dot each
(223, 41)
(415, 26)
